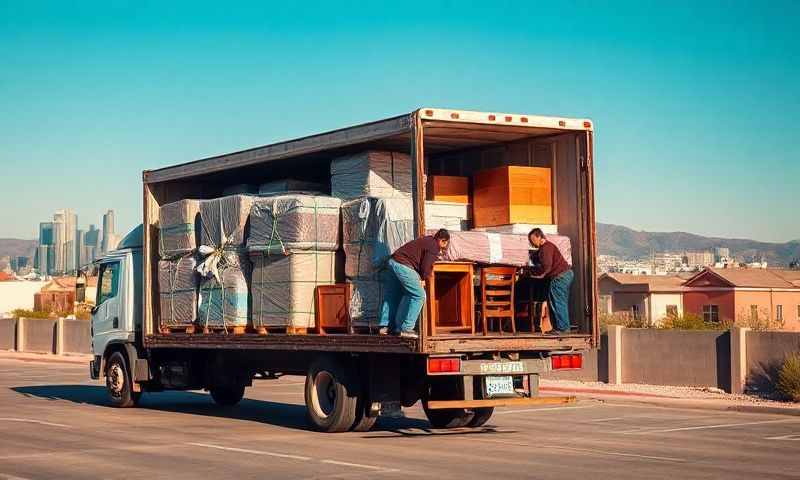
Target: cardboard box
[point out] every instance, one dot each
(443, 188)
(511, 194)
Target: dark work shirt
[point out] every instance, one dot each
(551, 262)
(419, 254)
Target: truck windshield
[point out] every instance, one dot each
(109, 280)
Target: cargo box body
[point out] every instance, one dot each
(519, 170)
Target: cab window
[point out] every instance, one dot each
(108, 282)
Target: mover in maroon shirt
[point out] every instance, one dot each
(403, 293)
(554, 268)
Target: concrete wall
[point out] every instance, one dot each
(8, 333)
(19, 294)
(77, 336)
(40, 335)
(676, 357)
(766, 352)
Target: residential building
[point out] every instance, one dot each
(57, 296)
(764, 297)
(646, 297)
(698, 259)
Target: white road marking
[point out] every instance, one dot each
(794, 437)
(586, 450)
(374, 468)
(5, 476)
(30, 420)
(606, 419)
(355, 465)
(528, 410)
(255, 452)
(708, 427)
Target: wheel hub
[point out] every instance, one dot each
(116, 378)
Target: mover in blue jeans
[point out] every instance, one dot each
(554, 268)
(403, 290)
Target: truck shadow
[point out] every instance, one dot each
(288, 415)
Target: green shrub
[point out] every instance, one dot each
(627, 321)
(789, 377)
(23, 313)
(690, 321)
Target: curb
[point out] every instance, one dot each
(78, 359)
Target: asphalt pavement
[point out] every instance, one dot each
(56, 423)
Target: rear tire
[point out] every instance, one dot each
(118, 382)
(331, 396)
(228, 395)
(363, 422)
(446, 388)
(481, 416)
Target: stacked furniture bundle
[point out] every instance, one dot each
(373, 228)
(453, 216)
(290, 185)
(292, 245)
(177, 280)
(225, 267)
(371, 174)
(498, 248)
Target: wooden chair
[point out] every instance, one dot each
(497, 297)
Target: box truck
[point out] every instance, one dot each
(459, 376)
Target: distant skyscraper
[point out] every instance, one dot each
(59, 242)
(108, 232)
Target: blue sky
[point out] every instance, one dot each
(694, 106)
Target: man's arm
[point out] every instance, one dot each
(426, 267)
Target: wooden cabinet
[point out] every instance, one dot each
(332, 308)
(511, 194)
(445, 188)
(451, 299)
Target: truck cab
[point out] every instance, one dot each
(116, 316)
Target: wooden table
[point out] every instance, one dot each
(451, 299)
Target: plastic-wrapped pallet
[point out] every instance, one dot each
(365, 301)
(177, 222)
(291, 185)
(373, 228)
(452, 216)
(224, 296)
(284, 223)
(223, 221)
(177, 288)
(372, 174)
(283, 287)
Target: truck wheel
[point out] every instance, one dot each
(118, 382)
(446, 388)
(228, 395)
(363, 422)
(481, 416)
(331, 399)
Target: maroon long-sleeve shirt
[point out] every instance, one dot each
(551, 262)
(419, 254)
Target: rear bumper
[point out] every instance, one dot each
(499, 402)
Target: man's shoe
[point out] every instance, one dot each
(408, 334)
(383, 331)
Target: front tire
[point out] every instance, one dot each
(118, 382)
(331, 396)
(227, 396)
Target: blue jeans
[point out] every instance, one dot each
(403, 297)
(558, 300)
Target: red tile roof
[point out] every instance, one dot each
(653, 283)
(754, 277)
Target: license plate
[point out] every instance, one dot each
(499, 368)
(496, 386)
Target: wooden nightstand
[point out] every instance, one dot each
(451, 299)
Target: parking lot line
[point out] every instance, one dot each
(531, 410)
(254, 452)
(708, 427)
(30, 420)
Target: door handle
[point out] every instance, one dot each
(115, 322)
